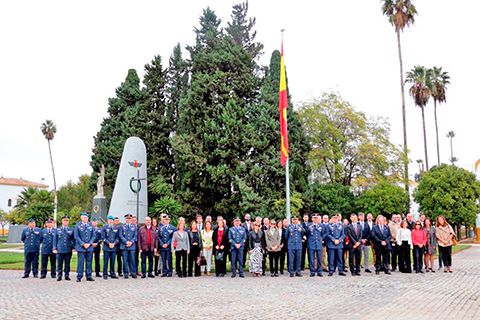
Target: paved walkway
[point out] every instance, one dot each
(399, 296)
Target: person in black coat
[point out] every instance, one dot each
(220, 248)
(381, 237)
(354, 234)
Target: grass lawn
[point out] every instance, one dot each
(4, 245)
(14, 260)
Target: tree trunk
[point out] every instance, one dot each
(54, 184)
(406, 179)
(424, 138)
(451, 149)
(436, 130)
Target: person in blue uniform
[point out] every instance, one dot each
(128, 244)
(116, 223)
(237, 236)
(62, 245)
(97, 241)
(335, 236)
(110, 237)
(315, 234)
(84, 234)
(48, 234)
(31, 237)
(294, 235)
(165, 234)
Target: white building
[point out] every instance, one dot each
(10, 189)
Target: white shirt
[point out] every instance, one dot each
(404, 234)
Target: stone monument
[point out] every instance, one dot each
(99, 209)
(130, 192)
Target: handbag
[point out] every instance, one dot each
(454, 240)
(219, 256)
(201, 261)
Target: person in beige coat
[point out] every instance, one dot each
(444, 233)
(273, 238)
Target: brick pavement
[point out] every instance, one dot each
(399, 296)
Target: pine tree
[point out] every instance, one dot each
(126, 116)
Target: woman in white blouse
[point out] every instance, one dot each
(207, 234)
(404, 240)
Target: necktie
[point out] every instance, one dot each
(356, 230)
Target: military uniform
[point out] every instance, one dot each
(84, 233)
(128, 232)
(110, 235)
(294, 235)
(31, 237)
(63, 242)
(315, 235)
(165, 234)
(237, 235)
(47, 253)
(97, 238)
(335, 231)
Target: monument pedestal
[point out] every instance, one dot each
(99, 209)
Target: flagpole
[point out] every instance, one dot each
(287, 189)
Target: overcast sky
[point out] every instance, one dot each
(62, 60)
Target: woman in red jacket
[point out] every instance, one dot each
(419, 240)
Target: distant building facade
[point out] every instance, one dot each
(11, 188)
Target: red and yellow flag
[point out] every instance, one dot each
(282, 108)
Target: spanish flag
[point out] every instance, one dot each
(282, 108)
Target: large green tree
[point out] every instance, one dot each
(346, 146)
(75, 194)
(127, 116)
(329, 199)
(449, 191)
(34, 204)
(384, 198)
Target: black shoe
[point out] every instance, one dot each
(67, 278)
(388, 272)
(169, 275)
(120, 274)
(242, 275)
(276, 274)
(157, 274)
(312, 274)
(377, 272)
(43, 277)
(53, 276)
(234, 275)
(90, 279)
(263, 274)
(114, 276)
(163, 275)
(134, 276)
(35, 275)
(79, 280)
(281, 272)
(144, 276)
(222, 275)
(319, 274)
(298, 274)
(125, 277)
(25, 276)
(420, 271)
(151, 275)
(97, 275)
(342, 274)
(330, 274)
(292, 275)
(325, 270)
(105, 277)
(59, 279)
(353, 273)
(368, 271)
(272, 275)
(357, 273)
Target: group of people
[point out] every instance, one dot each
(318, 238)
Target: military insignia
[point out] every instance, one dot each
(115, 230)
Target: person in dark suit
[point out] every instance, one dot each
(281, 225)
(354, 234)
(381, 241)
(305, 251)
(365, 247)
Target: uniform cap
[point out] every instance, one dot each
(84, 214)
(236, 218)
(65, 217)
(31, 220)
(94, 219)
(110, 217)
(128, 215)
(49, 220)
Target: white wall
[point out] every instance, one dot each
(9, 192)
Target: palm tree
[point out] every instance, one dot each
(420, 78)
(440, 79)
(451, 135)
(48, 130)
(401, 13)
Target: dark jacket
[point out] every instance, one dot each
(142, 239)
(353, 236)
(379, 236)
(254, 237)
(224, 241)
(199, 240)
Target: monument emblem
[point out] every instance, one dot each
(130, 192)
